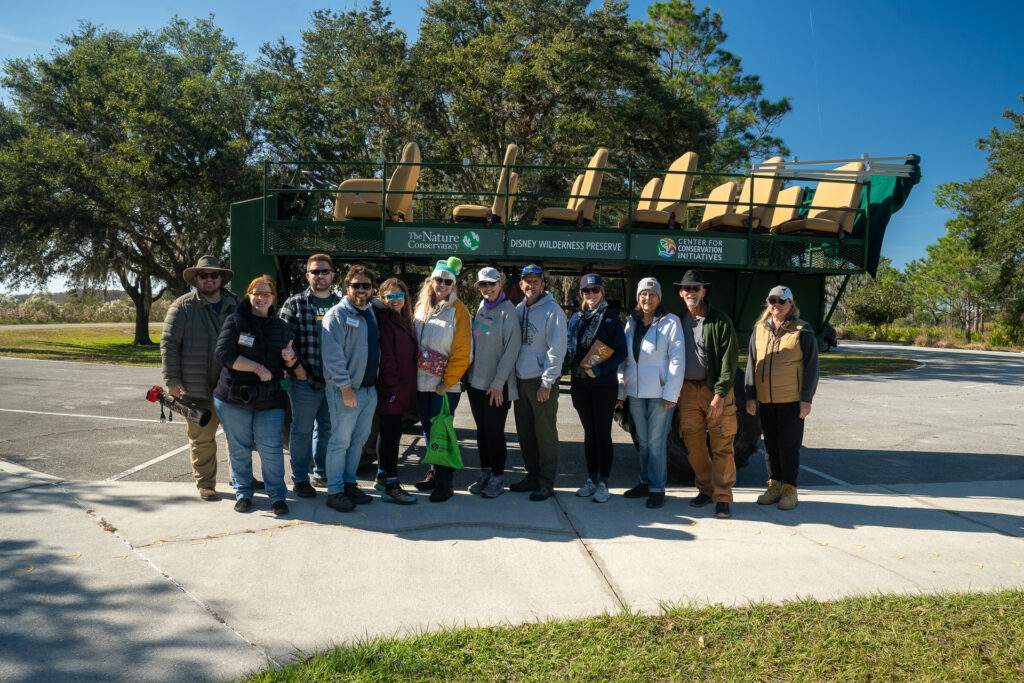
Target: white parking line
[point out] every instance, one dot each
(825, 476)
(98, 417)
(159, 458)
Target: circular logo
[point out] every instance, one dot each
(666, 247)
(471, 240)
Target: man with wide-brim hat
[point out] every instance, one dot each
(707, 404)
(187, 360)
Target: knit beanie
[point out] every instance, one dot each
(648, 283)
(448, 268)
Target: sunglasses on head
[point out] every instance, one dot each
(591, 290)
(208, 276)
(444, 281)
(360, 285)
(321, 271)
(396, 296)
(532, 270)
(776, 301)
(691, 288)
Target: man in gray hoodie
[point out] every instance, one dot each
(538, 370)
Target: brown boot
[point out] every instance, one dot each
(773, 493)
(788, 500)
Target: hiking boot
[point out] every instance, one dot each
(357, 495)
(656, 499)
(700, 500)
(209, 494)
(495, 486)
(443, 490)
(480, 484)
(243, 505)
(601, 493)
(279, 507)
(788, 501)
(641, 490)
(524, 484)
(722, 511)
(380, 482)
(339, 502)
(428, 482)
(773, 493)
(541, 494)
(303, 489)
(320, 482)
(394, 493)
(587, 490)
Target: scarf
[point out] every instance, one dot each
(591, 320)
(501, 297)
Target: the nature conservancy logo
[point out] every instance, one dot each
(471, 240)
(666, 247)
(433, 240)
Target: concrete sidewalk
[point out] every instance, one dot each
(143, 581)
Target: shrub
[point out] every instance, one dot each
(997, 338)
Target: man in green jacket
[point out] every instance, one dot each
(707, 405)
(186, 357)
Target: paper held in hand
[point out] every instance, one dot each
(598, 353)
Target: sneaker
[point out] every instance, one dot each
(700, 501)
(601, 493)
(541, 494)
(258, 485)
(380, 482)
(773, 493)
(357, 495)
(787, 498)
(480, 484)
(428, 482)
(394, 493)
(722, 511)
(524, 484)
(320, 482)
(587, 490)
(279, 507)
(495, 486)
(303, 489)
(442, 492)
(339, 502)
(641, 490)
(656, 499)
(243, 505)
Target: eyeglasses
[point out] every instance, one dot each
(261, 295)
(483, 284)
(397, 296)
(775, 301)
(443, 281)
(321, 271)
(691, 288)
(360, 285)
(208, 276)
(532, 270)
(591, 290)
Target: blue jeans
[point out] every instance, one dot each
(428, 405)
(310, 431)
(652, 425)
(350, 428)
(259, 429)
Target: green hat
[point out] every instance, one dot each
(449, 267)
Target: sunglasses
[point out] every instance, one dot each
(397, 296)
(532, 270)
(775, 301)
(320, 271)
(484, 284)
(360, 285)
(691, 288)
(261, 295)
(591, 290)
(207, 276)
(443, 281)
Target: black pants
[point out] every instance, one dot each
(389, 435)
(783, 433)
(595, 406)
(490, 429)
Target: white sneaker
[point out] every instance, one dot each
(601, 495)
(587, 489)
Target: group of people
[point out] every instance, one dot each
(373, 352)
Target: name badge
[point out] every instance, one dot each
(246, 339)
(352, 322)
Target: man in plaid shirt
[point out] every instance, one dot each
(311, 418)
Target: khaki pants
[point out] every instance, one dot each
(537, 425)
(202, 443)
(715, 472)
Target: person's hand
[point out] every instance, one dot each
(288, 354)
(590, 372)
(176, 390)
(264, 375)
(495, 397)
(667, 405)
(751, 407)
(348, 397)
(716, 407)
(440, 389)
(543, 394)
(805, 409)
(618, 405)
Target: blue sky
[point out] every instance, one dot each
(886, 77)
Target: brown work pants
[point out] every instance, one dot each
(715, 472)
(202, 443)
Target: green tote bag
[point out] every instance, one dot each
(444, 446)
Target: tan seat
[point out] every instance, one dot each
(761, 189)
(359, 198)
(833, 208)
(787, 206)
(648, 199)
(497, 211)
(720, 201)
(667, 211)
(583, 211)
(574, 193)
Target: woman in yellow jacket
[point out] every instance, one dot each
(782, 375)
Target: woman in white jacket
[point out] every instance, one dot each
(652, 377)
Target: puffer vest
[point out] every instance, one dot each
(778, 372)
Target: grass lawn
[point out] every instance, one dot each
(83, 344)
(944, 637)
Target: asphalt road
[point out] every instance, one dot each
(956, 418)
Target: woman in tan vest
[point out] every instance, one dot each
(782, 375)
